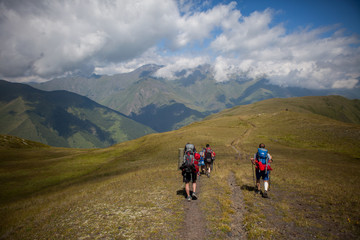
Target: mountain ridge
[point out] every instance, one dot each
(196, 90)
(62, 118)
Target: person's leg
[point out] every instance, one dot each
(258, 176)
(258, 184)
(266, 180)
(186, 179)
(194, 178)
(266, 184)
(207, 168)
(187, 189)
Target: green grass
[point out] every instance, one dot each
(130, 189)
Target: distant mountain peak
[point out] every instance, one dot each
(147, 70)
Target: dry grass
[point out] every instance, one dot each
(120, 207)
(129, 191)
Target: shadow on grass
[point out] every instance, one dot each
(247, 187)
(181, 192)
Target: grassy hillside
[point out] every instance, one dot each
(335, 107)
(133, 190)
(62, 119)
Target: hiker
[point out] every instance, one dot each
(202, 162)
(262, 160)
(189, 147)
(190, 169)
(209, 157)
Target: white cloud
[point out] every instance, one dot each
(346, 83)
(58, 36)
(43, 39)
(178, 64)
(305, 58)
(198, 26)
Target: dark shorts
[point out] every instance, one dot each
(262, 175)
(209, 165)
(188, 177)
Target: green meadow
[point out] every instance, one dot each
(131, 190)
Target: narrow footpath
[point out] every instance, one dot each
(237, 226)
(195, 225)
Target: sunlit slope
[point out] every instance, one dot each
(12, 142)
(335, 107)
(141, 177)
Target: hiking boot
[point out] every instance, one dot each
(257, 191)
(265, 194)
(194, 197)
(189, 198)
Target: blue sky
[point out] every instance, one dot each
(311, 44)
(315, 13)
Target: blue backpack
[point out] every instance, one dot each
(262, 155)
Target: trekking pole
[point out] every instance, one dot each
(181, 158)
(269, 182)
(266, 166)
(253, 175)
(266, 171)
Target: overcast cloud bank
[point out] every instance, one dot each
(40, 40)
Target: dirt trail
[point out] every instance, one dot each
(237, 227)
(195, 222)
(195, 225)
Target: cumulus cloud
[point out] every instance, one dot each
(40, 40)
(54, 37)
(199, 25)
(303, 58)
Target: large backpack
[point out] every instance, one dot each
(262, 159)
(189, 148)
(208, 155)
(262, 155)
(188, 164)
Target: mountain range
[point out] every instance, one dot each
(99, 111)
(62, 118)
(165, 105)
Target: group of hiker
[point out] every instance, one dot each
(196, 163)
